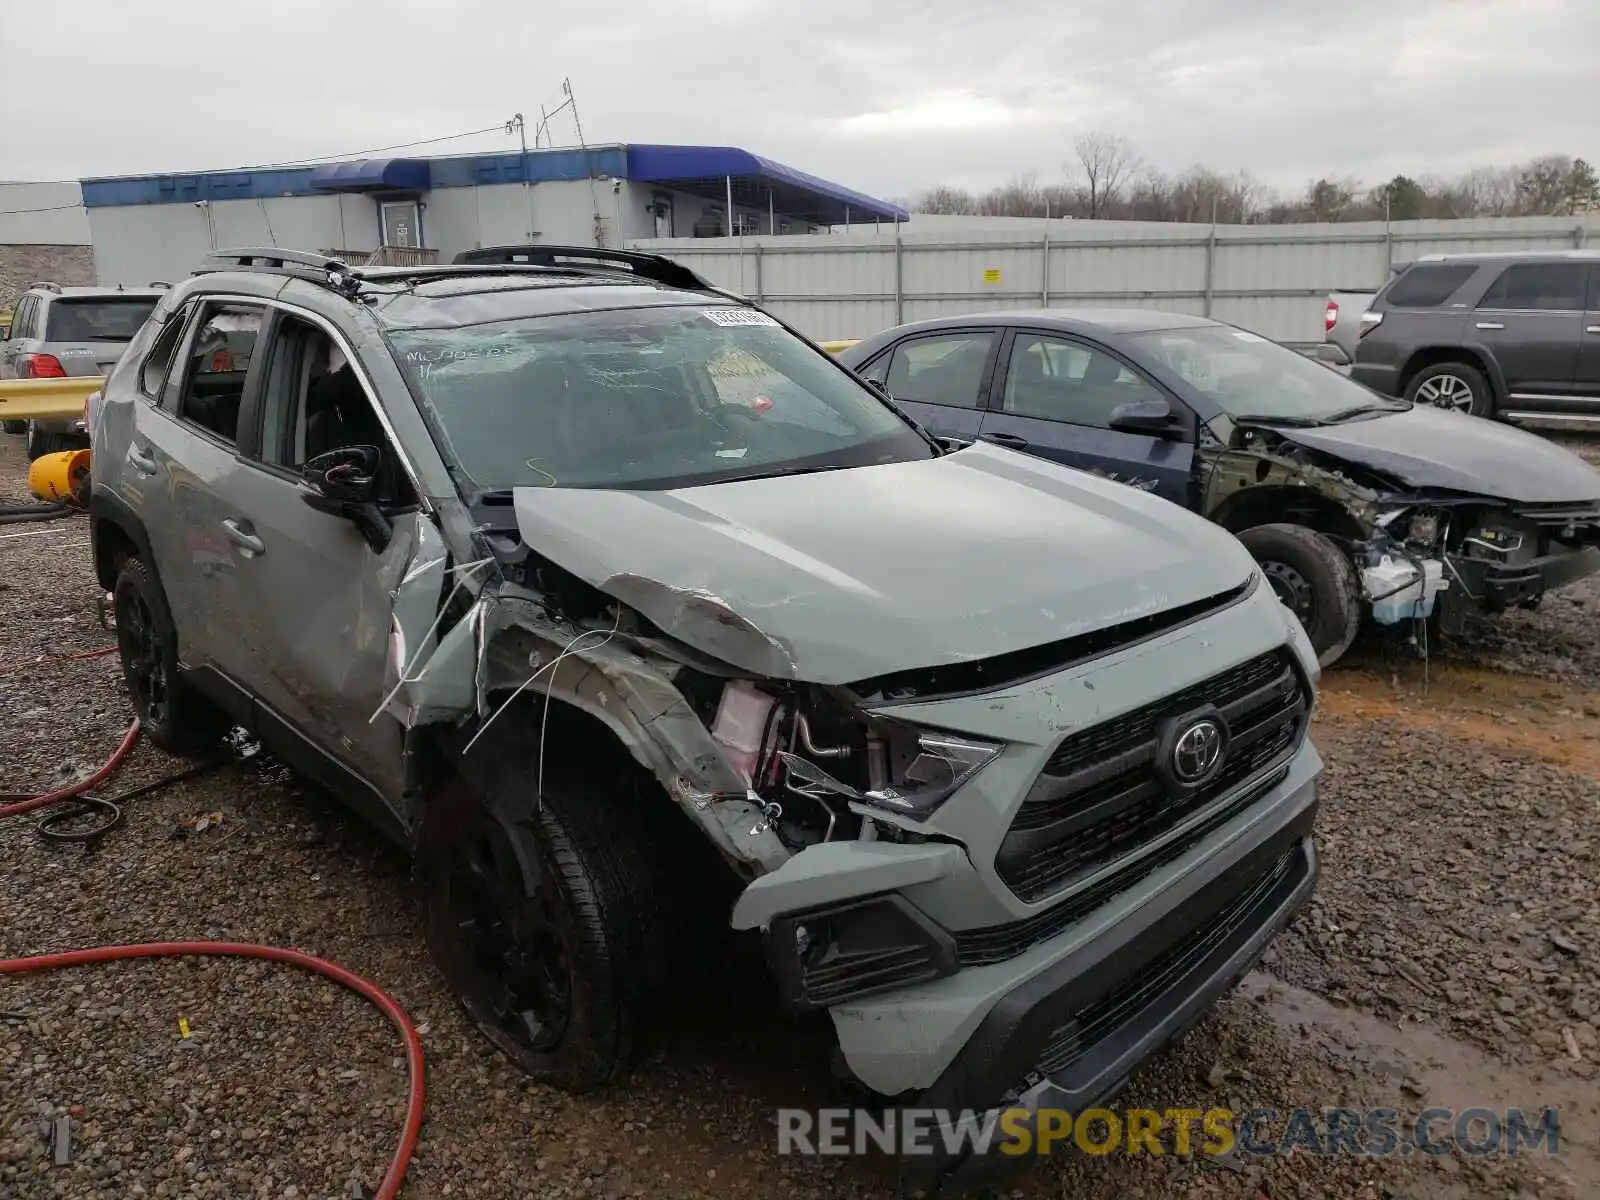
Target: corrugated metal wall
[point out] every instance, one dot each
(1270, 278)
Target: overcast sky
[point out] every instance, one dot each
(890, 97)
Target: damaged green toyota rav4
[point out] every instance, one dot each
(1007, 764)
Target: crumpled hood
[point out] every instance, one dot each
(844, 575)
(1428, 448)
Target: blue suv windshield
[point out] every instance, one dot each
(644, 398)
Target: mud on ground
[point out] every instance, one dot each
(1452, 957)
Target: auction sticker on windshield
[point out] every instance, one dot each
(728, 317)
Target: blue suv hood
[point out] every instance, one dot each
(848, 574)
(1427, 448)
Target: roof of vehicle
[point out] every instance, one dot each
(1504, 255)
(72, 291)
(1071, 320)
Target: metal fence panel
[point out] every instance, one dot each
(1271, 278)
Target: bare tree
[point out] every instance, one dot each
(1109, 181)
(1105, 162)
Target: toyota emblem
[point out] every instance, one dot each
(1197, 751)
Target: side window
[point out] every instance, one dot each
(877, 370)
(219, 361)
(945, 369)
(1428, 287)
(1067, 381)
(1539, 286)
(1594, 289)
(22, 319)
(162, 351)
(312, 401)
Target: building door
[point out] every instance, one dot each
(402, 223)
(661, 209)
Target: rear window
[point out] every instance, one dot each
(1428, 287)
(111, 319)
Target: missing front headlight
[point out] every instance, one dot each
(939, 765)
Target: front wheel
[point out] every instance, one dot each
(171, 713)
(1454, 386)
(538, 912)
(1314, 578)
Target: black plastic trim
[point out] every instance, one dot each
(910, 948)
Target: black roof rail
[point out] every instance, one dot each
(567, 260)
(318, 268)
(655, 267)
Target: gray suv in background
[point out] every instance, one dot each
(1513, 335)
(1001, 765)
(58, 332)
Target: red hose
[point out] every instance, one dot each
(67, 792)
(416, 1100)
(43, 659)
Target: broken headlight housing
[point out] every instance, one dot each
(1423, 528)
(939, 763)
(1413, 526)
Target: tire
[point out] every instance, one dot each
(45, 441)
(548, 906)
(1453, 386)
(14, 426)
(1313, 577)
(171, 713)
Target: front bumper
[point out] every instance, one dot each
(1169, 981)
(1069, 1036)
(1495, 587)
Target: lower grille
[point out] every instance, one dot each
(997, 943)
(1100, 795)
(1103, 1016)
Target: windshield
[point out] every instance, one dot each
(1250, 376)
(644, 398)
(98, 320)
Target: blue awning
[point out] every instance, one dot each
(706, 171)
(372, 175)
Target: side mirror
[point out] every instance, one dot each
(348, 475)
(878, 386)
(344, 483)
(1152, 417)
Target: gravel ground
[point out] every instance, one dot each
(1453, 948)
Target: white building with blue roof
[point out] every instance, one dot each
(402, 210)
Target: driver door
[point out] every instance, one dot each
(1053, 396)
(316, 596)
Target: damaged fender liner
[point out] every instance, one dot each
(509, 642)
(1019, 666)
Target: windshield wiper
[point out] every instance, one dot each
(1274, 419)
(775, 472)
(1360, 410)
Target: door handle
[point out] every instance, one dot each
(1591, 328)
(240, 533)
(140, 461)
(1490, 325)
(1010, 440)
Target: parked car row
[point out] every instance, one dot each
(567, 569)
